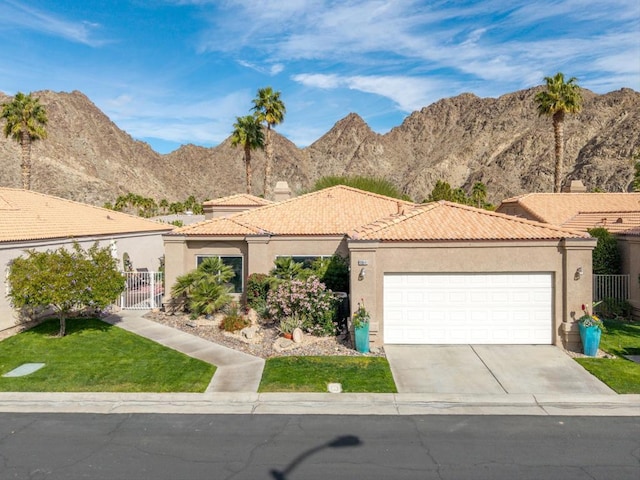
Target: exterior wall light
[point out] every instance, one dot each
(362, 273)
(579, 274)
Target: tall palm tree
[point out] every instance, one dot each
(269, 109)
(26, 119)
(247, 131)
(558, 99)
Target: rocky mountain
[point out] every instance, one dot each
(499, 141)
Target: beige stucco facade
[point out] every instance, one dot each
(144, 249)
(257, 251)
(560, 258)
(629, 246)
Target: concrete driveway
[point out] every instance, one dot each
(489, 369)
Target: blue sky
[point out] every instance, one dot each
(172, 72)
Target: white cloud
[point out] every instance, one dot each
(14, 13)
(408, 93)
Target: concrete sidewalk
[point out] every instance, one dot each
(321, 404)
(236, 371)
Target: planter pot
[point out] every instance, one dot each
(362, 338)
(590, 337)
(288, 336)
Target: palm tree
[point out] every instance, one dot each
(559, 98)
(479, 194)
(26, 119)
(247, 131)
(268, 109)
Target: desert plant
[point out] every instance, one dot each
(26, 119)
(559, 98)
(286, 268)
(203, 291)
(289, 324)
(233, 319)
(268, 109)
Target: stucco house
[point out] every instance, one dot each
(438, 273)
(32, 220)
(619, 213)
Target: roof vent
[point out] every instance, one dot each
(619, 220)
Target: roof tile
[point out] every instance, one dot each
(559, 208)
(446, 221)
(28, 215)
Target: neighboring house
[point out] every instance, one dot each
(619, 213)
(31, 220)
(438, 273)
(223, 207)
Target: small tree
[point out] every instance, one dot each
(606, 256)
(65, 281)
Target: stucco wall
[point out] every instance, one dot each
(477, 257)
(144, 250)
(259, 252)
(629, 246)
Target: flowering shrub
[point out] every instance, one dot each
(589, 319)
(309, 299)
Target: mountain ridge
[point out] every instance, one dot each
(463, 139)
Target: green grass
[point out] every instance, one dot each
(621, 374)
(97, 357)
(312, 374)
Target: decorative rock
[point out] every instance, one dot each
(191, 324)
(297, 335)
(249, 332)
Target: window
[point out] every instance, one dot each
(235, 262)
(305, 260)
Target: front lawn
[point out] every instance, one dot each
(97, 357)
(313, 374)
(621, 374)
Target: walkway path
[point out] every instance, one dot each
(236, 371)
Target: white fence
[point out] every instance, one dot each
(610, 286)
(143, 290)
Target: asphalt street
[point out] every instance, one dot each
(159, 446)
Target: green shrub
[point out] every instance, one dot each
(612, 308)
(333, 272)
(606, 256)
(65, 280)
(203, 291)
(309, 299)
(258, 286)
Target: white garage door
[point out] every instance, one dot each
(468, 308)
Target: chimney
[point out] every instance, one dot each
(282, 192)
(575, 186)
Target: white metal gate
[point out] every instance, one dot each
(610, 286)
(143, 290)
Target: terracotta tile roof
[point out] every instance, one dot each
(332, 211)
(220, 226)
(444, 221)
(238, 200)
(558, 208)
(28, 215)
(614, 222)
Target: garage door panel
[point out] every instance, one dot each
(468, 308)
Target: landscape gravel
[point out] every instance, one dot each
(261, 339)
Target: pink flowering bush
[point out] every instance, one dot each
(308, 299)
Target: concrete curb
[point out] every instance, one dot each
(321, 404)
